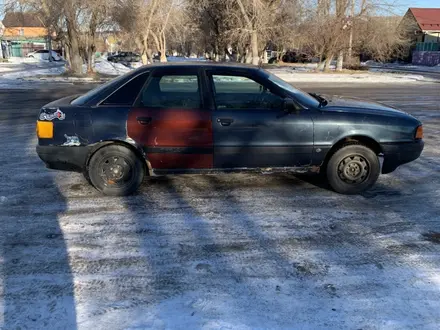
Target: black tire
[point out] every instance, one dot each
(116, 171)
(87, 177)
(353, 169)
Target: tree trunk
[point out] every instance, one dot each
(328, 62)
(254, 47)
(67, 54)
(90, 59)
(149, 55)
(144, 58)
(74, 54)
(163, 51)
(340, 61)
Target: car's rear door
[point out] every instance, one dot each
(251, 128)
(171, 122)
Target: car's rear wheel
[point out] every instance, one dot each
(116, 171)
(353, 169)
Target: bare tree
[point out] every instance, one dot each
(212, 20)
(148, 22)
(256, 20)
(94, 16)
(381, 38)
(161, 25)
(74, 22)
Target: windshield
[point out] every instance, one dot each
(83, 99)
(301, 96)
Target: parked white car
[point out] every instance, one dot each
(44, 55)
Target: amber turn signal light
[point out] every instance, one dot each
(419, 132)
(44, 129)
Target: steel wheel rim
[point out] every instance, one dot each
(115, 171)
(354, 169)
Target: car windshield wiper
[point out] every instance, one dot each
(322, 101)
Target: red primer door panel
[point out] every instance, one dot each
(173, 138)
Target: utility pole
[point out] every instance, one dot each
(350, 42)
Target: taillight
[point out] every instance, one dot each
(44, 129)
(419, 133)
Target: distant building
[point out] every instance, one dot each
(423, 24)
(24, 32)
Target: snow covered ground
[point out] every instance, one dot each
(240, 251)
(373, 64)
(294, 74)
(34, 68)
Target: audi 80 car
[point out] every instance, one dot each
(210, 118)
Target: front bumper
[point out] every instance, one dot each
(64, 158)
(396, 154)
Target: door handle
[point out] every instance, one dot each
(225, 121)
(144, 120)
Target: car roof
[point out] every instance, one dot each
(191, 64)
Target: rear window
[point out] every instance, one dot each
(126, 95)
(83, 99)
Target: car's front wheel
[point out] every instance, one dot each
(116, 170)
(353, 169)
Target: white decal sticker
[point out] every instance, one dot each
(51, 116)
(71, 141)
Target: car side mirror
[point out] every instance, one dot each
(289, 106)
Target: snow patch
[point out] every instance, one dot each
(112, 69)
(58, 70)
(347, 78)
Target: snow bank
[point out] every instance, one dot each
(291, 76)
(113, 69)
(20, 60)
(40, 72)
(5, 68)
(408, 67)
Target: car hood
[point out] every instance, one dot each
(351, 104)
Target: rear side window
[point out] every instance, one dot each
(126, 95)
(179, 84)
(170, 91)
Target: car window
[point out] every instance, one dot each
(301, 96)
(239, 92)
(87, 97)
(173, 91)
(126, 95)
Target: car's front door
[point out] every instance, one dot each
(251, 128)
(170, 121)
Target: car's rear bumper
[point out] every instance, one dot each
(64, 158)
(396, 154)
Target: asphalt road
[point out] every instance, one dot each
(240, 251)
